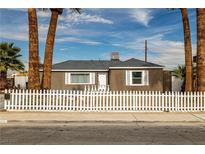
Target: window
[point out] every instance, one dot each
(137, 77)
(79, 78)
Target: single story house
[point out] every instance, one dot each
(131, 74)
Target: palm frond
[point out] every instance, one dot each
(9, 57)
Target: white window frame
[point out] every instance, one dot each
(68, 78)
(136, 84)
(145, 82)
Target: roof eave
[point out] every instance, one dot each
(81, 70)
(136, 67)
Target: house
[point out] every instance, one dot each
(21, 81)
(131, 74)
(16, 79)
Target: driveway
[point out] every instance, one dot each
(103, 133)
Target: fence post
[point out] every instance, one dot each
(163, 102)
(194, 101)
(184, 102)
(120, 106)
(188, 102)
(131, 100)
(159, 104)
(149, 102)
(191, 101)
(198, 101)
(5, 99)
(204, 100)
(113, 101)
(123, 102)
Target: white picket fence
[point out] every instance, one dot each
(104, 101)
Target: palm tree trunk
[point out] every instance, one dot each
(3, 80)
(49, 50)
(33, 71)
(188, 50)
(201, 49)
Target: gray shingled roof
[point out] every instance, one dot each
(102, 64)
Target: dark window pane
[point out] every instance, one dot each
(136, 74)
(136, 77)
(136, 81)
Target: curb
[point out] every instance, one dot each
(90, 121)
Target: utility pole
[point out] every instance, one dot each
(145, 50)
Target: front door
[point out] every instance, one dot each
(102, 81)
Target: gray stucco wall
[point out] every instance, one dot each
(58, 81)
(117, 80)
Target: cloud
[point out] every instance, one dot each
(17, 9)
(77, 40)
(142, 16)
(84, 18)
(44, 13)
(62, 49)
(166, 52)
(14, 36)
(20, 32)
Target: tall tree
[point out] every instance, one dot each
(33, 71)
(188, 50)
(48, 58)
(201, 49)
(9, 60)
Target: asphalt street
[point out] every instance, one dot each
(103, 133)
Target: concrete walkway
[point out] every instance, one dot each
(100, 117)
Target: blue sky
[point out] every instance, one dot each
(97, 32)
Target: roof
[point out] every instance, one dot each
(102, 64)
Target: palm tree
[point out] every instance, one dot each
(180, 72)
(33, 71)
(9, 60)
(48, 58)
(200, 49)
(188, 50)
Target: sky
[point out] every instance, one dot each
(95, 33)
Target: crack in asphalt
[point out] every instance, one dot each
(136, 122)
(197, 117)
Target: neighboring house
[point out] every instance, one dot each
(132, 74)
(176, 84)
(21, 81)
(16, 79)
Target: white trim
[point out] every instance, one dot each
(133, 67)
(142, 78)
(74, 70)
(105, 78)
(92, 78)
(68, 78)
(84, 70)
(145, 82)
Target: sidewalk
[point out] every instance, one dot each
(7, 117)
